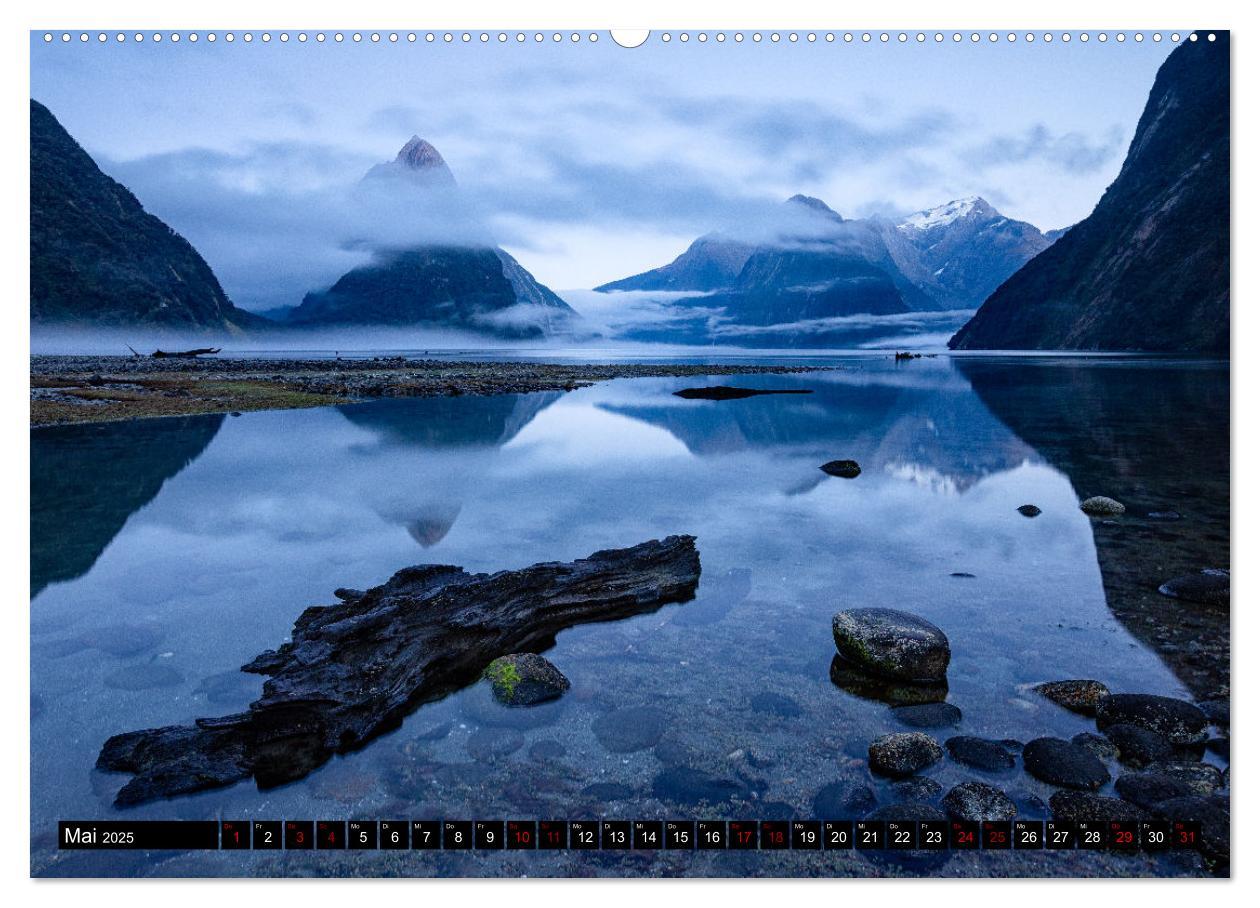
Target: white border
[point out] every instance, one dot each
(660, 14)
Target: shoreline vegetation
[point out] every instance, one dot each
(71, 390)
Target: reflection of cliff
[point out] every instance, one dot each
(86, 481)
(1156, 437)
(449, 422)
(920, 425)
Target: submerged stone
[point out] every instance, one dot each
(693, 787)
(903, 753)
(631, 729)
(1178, 721)
(1079, 806)
(892, 644)
(1097, 745)
(851, 679)
(979, 802)
(1080, 696)
(843, 799)
(1065, 764)
(1213, 820)
(143, 677)
(772, 704)
(1146, 789)
(1209, 586)
(918, 788)
(980, 753)
(491, 744)
(1203, 778)
(928, 715)
(1102, 506)
(1138, 746)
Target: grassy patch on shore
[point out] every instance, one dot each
(169, 398)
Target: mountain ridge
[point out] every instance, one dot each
(1149, 268)
(99, 259)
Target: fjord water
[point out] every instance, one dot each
(167, 553)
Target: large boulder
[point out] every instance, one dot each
(1178, 721)
(1065, 764)
(892, 644)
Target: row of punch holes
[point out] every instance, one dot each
(579, 37)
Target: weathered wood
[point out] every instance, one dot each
(356, 669)
(183, 354)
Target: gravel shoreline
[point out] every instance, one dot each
(83, 389)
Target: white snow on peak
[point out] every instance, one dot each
(942, 214)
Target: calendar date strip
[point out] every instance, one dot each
(628, 835)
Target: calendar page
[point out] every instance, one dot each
(642, 453)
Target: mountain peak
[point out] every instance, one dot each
(418, 154)
(945, 214)
(816, 205)
(417, 161)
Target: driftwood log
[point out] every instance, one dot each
(355, 669)
(184, 354)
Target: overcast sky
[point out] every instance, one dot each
(589, 162)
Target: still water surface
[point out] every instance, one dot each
(167, 553)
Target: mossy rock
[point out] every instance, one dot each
(523, 679)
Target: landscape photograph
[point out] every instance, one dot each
(579, 454)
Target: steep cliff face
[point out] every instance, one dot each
(1149, 268)
(99, 259)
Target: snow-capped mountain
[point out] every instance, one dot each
(949, 257)
(960, 252)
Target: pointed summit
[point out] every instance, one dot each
(417, 159)
(418, 154)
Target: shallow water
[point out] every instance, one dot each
(165, 554)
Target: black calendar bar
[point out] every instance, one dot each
(492, 836)
(144, 835)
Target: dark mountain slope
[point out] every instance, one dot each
(99, 259)
(1149, 268)
(469, 287)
